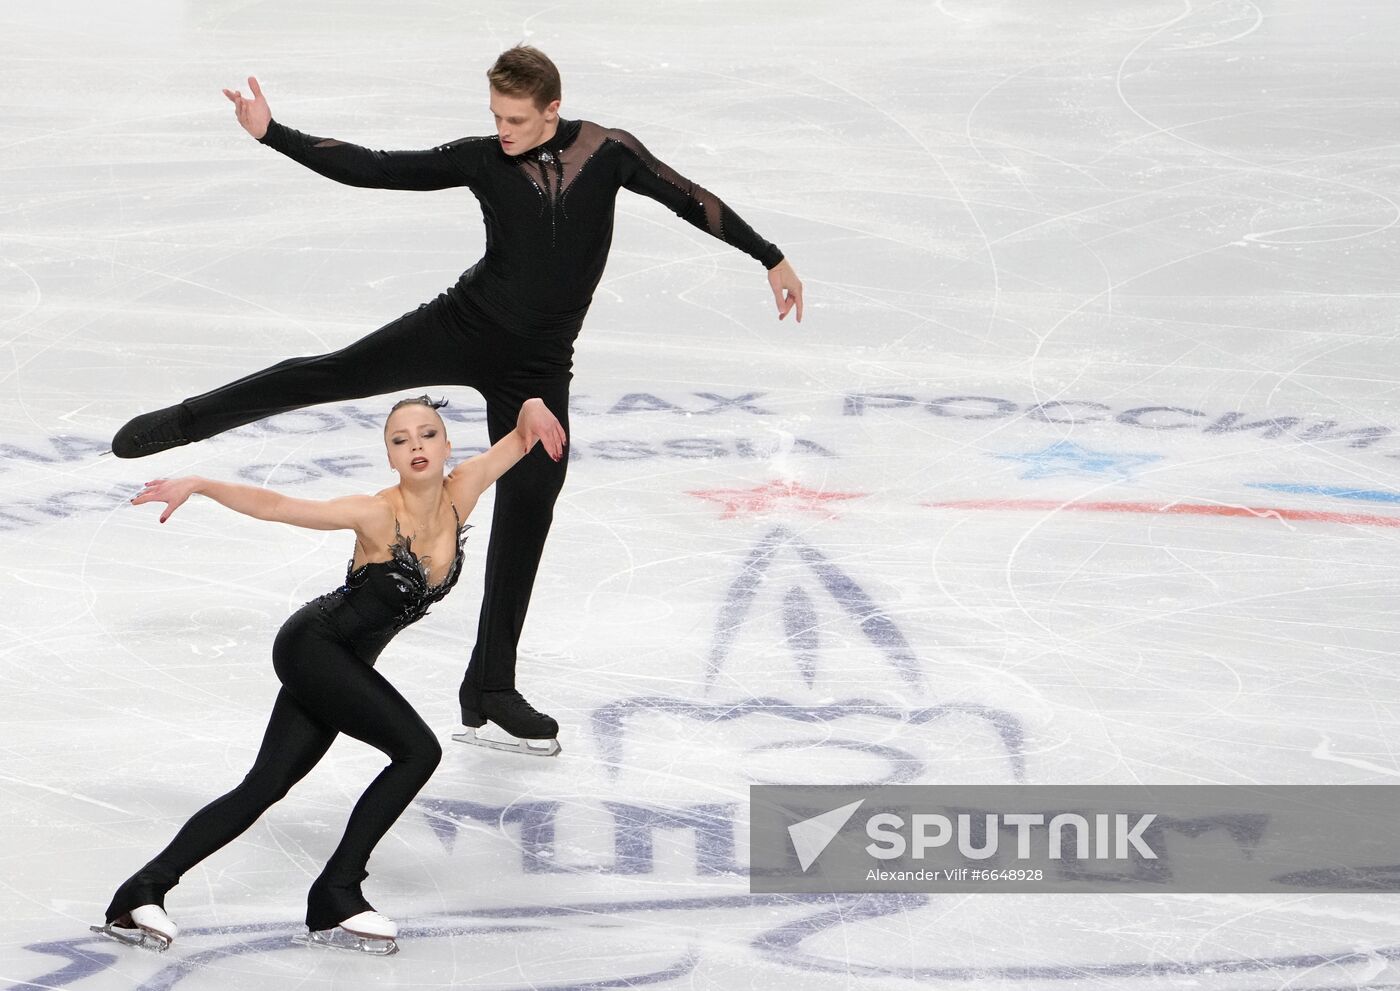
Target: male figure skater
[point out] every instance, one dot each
(547, 188)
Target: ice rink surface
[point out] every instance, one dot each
(1081, 468)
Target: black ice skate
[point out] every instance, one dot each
(146, 926)
(367, 932)
(151, 433)
(509, 710)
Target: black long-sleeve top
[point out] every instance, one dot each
(548, 211)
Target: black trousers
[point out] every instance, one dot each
(440, 343)
(326, 689)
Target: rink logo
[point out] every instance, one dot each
(775, 496)
(818, 605)
(1156, 418)
(1065, 458)
(782, 559)
(811, 934)
(811, 836)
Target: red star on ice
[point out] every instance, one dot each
(775, 495)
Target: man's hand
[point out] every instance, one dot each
(787, 289)
(253, 114)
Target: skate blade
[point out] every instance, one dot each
(146, 939)
(531, 748)
(344, 939)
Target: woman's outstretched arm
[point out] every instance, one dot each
(536, 424)
(345, 513)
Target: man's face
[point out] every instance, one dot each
(520, 124)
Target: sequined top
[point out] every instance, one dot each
(380, 598)
(548, 212)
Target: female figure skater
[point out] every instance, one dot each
(408, 554)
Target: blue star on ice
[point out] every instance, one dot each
(1065, 458)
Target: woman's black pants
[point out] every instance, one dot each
(326, 689)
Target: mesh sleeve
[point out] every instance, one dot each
(694, 204)
(435, 168)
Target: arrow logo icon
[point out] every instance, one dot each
(811, 836)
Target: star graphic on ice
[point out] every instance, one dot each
(1065, 458)
(774, 495)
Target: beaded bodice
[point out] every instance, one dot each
(380, 598)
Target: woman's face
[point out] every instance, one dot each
(416, 439)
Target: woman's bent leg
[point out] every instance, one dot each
(292, 745)
(351, 696)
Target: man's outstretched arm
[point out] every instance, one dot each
(702, 208)
(435, 168)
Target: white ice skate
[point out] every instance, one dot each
(149, 928)
(368, 932)
(532, 748)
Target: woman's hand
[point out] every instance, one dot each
(537, 423)
(171, 491)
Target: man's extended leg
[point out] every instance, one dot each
(421, 348)
(525, 498)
